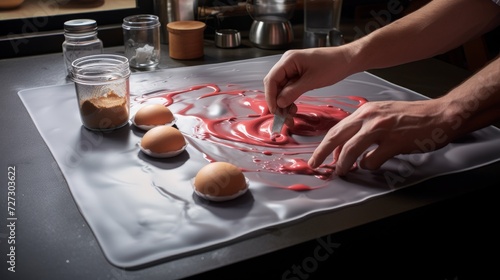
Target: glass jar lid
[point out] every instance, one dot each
(80, 26)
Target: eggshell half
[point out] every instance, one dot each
(163, 140)
(220, 181)
(152, 115)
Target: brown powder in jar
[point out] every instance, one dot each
(105, 112)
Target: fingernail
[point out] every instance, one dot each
(312, 163)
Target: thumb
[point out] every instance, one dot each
(290, 92)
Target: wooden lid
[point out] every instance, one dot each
(185, 26)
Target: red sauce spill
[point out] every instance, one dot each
(300, 187)
(240, 119)
(300, 166)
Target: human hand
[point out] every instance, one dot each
(299, 71)
(394, 127)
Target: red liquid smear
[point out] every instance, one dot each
(242, 121)
(300, 187)
(300, 166)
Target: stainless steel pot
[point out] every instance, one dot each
(271, 10)
(271, 28)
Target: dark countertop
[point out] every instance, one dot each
(439, 229)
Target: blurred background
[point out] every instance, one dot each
(29, 27)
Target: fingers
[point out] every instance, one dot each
(284, 82)
(276, 79)
(290, 92)
(352, 145)
(273, 88)
(374, 159)
(291, 112)
(336, 136)
(282, 94)
(351, 151)
(348, 140)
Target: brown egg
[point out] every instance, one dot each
(220, 180)
(163, 139)
(153, 114)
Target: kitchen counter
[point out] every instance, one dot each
(448, 219)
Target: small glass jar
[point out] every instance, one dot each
(80, 40)
(321, 23)
(103, 90)
(141, 37)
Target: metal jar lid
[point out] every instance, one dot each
(80, 26)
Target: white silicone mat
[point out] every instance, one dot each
(143, 210)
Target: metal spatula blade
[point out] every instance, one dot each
(279, 121)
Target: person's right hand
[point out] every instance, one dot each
(299, 71)
(392, 127)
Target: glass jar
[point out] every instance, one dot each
(321, 23)
(80, 40)
(141, 37)
(102, 90)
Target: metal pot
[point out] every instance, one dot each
(271, 28)
(271, 10)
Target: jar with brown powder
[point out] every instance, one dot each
(102, 89)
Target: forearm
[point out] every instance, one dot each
(476, 102)
(435, 28)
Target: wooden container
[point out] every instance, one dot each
(10, 4)
(185, 39)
